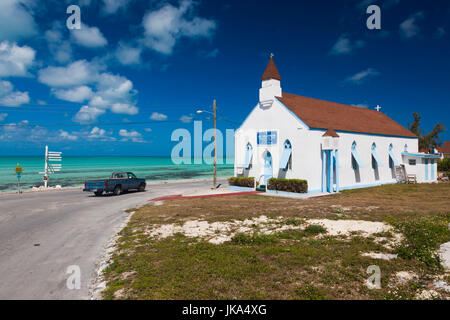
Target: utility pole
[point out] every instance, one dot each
(215, 146)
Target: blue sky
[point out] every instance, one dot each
(159, 61)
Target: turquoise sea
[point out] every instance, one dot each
(75, 170)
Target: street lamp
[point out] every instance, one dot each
(215, 147)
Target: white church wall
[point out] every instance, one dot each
(366, 175)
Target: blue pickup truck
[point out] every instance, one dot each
(117, 183)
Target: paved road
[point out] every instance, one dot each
(43, 233)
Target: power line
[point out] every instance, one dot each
(98, 124)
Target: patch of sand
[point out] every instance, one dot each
(382, 256)
(220, 232)
(346, 227)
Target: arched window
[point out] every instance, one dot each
(375, 159)
(356, 161)
(285, 158)
(406, 148)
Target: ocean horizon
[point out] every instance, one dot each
(76, 169)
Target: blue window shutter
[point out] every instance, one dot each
(391, 155)
(375, 156)
(356, 158)
(248, 157)
(285, 158)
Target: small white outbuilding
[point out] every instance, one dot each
(333, 146)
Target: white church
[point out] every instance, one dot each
(333, 146)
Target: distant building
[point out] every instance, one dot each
(445, 150)
(331, 145)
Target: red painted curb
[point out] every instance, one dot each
(179, 196)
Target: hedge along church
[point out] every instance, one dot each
(331, 145)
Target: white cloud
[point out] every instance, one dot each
(3, 116)
(148, 129)
(186, 119)
(67, 136)
(362, 76)
(345, 46)
(166, 25)
(88, 114)
(16, 21)
(58, 46)
(78, 94)
(112, 6)
(158, 116)
(89, 37)
(101, 134)
(128, 55)
(15, 60)
(11, 98)
(409, 27)
(131, 135)
(124, 108)
(75, 74)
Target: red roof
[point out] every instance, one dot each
(330, 133)
(445, 147)
(320, 114)
(271, 71)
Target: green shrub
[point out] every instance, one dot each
(315, 229)
(444, 165)
(248, 182)
(288, 185)
(242, 238)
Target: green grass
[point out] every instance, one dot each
(422, 239)
(294, 264)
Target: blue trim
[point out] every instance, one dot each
(426, 169)
(324, 162)
(364, 133)
(236, 188)
(359, 186)
(295, 116)
(330, 172)
(337, 171)
(429, 156)
(432, 169)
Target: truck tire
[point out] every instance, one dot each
(141, 187)
(117, 190)
(98, 193)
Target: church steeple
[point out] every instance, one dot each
(271, 71)
(270, 87)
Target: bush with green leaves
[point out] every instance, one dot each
(444, 165)
(288, 185)
(248, 182)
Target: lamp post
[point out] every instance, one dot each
(215, 146)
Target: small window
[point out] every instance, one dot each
(412, 162)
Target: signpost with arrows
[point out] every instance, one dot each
(18, 171)
(52, 164)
